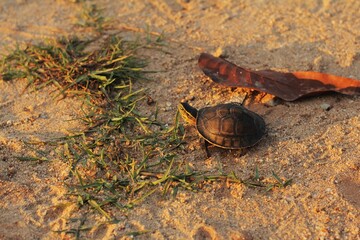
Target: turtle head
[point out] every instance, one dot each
(188, 113)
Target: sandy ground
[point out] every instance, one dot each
(319, 149)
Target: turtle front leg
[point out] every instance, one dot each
(206, 144)
(243, 152)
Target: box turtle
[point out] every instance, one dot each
(229, 125)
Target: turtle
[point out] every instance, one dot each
(229, 125)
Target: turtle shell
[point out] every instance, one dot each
(230, 126)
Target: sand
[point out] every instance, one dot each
(318, 149)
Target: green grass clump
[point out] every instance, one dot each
(92, 17)
(66, 64)
(123, 156)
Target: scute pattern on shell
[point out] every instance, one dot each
(230, 126)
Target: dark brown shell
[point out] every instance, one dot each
(230, 126)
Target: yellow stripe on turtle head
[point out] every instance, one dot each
(188, 113)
